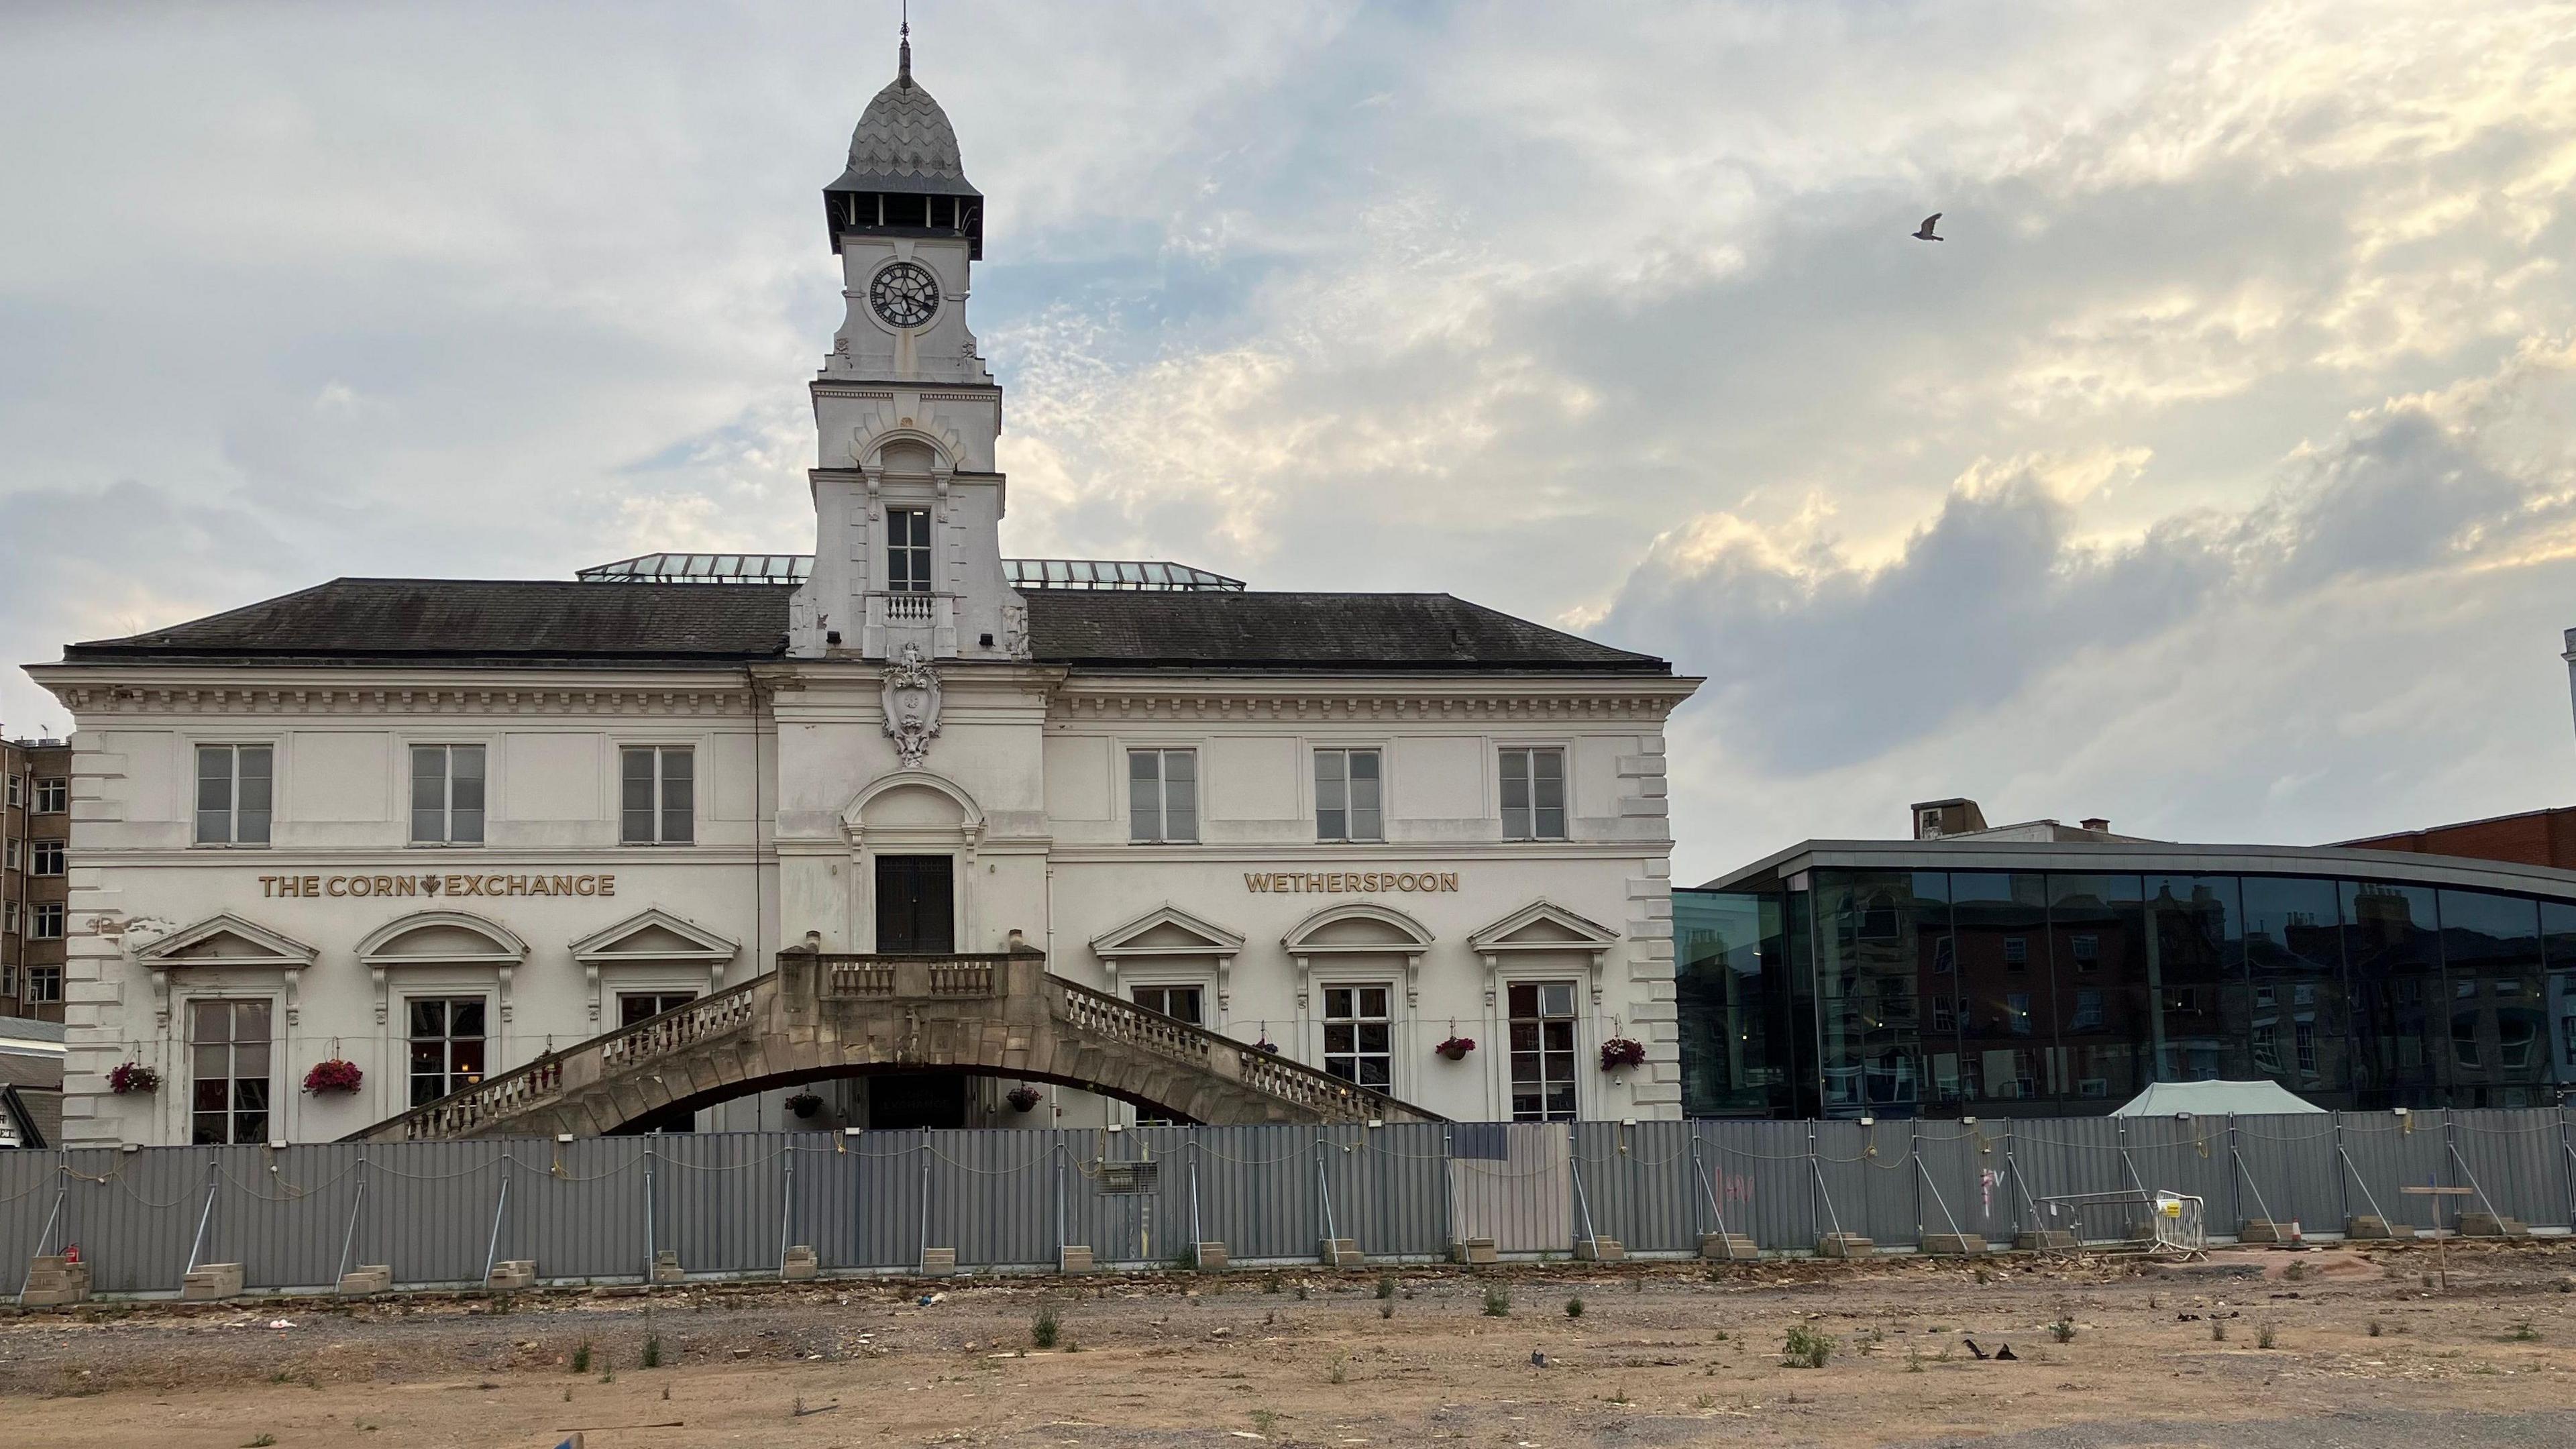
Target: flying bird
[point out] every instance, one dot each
(1925, 234)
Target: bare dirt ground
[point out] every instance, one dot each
(2319, 1350)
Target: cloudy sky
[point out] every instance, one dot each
(2217, 475)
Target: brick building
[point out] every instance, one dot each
(35, 827)
(2534, 837)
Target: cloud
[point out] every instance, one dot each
(2215, 470)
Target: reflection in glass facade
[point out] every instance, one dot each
(1902, 992)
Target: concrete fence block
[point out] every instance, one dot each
(1729, 1247)
(938, 1262)
(800, 1264)
(55, 1282)
(512, 1274)
(1600, 1250)
(1209, 1254)
(1473, 1251)
(1339, 1253)
(1073, 1258)
(666, 1267)
(367, 1278)
(210, 1282)
(1845, 1245)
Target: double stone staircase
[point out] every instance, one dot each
(821, 1015)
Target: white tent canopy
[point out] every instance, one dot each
(2204, 1099)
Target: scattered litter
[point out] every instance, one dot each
(1538, 1358)
(281, 1323)
(929, 1298)
(2006, 1355)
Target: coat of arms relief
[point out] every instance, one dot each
(911, 705)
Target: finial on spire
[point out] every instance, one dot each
(903, 53)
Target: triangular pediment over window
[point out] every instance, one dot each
(1543, 925)
(1166, 931)
(654, 935)
(226, 940)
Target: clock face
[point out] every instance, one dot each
(905, 295)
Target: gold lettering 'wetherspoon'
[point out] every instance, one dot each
(1348, 882)
(300, 887)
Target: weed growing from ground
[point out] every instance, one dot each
(581, 1358)
(1301, 1292)
(1044, 1329)
(2218, 1330)
(1386, 1285)
(1498, 1302)
(1806, 1347)
(1574, 1307)
(1340, 1369)
(653, 1351)
(1386, 1309)
(2063, 1330)
(2374, 1328)
(2523, 1332)
(2263, 1335)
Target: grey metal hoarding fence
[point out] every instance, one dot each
(731, 1204)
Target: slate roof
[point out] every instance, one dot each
(380, 622)
(33, 1091)
(903, 142)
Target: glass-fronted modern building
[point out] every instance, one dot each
(1963, 977)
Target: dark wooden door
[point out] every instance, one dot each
(916, 903)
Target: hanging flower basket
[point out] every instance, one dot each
(1456, 1048)
(1620, 1051)
(804, 1104)
(334, 1075)
(133, 1077)
(1022, 1099)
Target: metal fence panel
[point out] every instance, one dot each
(1892, 1201)
(2183, 1155)
(135, 1215)
(31, 1190)
(2288, 1168)
(1523, 1199)
(1257, 1190)
(1762, 1176)
(727, 1203)
(2516, 1159)
(2384, 1152)
(1960, 1168)
(1639, 1180)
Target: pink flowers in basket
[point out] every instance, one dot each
(1621, 1051)
(335, 1075)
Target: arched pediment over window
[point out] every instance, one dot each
(653, 937)
(1357, 928)
(1542, 926)
(224, 941)
(1168, 932)
(442, 938)
(912, 806)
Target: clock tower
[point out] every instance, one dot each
(906, 500)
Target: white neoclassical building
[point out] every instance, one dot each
(436, 828)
